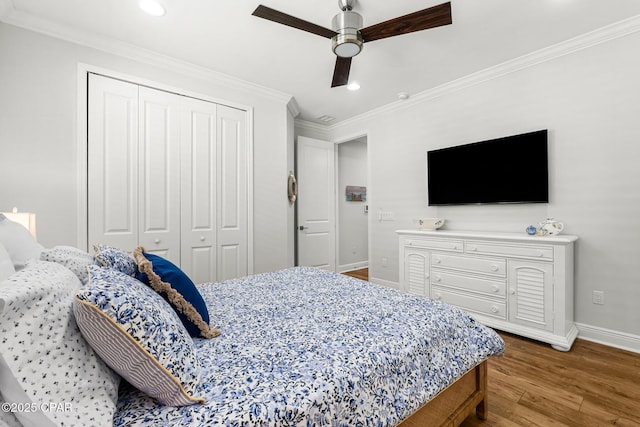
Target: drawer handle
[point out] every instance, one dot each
(438, 279)
(455, 247)
(513, 291)
(473, 248)
(494, 267)
(202, 239)
(540, 254)
(494, 309)
(157, 241)
(438, 297)
(495, 288)
(436, 260)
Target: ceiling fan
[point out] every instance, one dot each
(348, 36)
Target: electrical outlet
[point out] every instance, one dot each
(598, 297)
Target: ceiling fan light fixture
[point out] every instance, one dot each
(346, 45)
(348, 42)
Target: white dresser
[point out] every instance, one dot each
(509, 281)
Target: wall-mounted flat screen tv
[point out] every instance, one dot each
(512, 169)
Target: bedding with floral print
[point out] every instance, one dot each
(138, 334)
(110, 257)
(307, 347)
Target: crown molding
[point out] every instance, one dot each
(602, 35)
(305, 126)
(10, 15)
(293, 108)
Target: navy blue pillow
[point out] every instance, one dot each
(178, 289)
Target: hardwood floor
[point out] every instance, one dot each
(534, 385)
(363, 273)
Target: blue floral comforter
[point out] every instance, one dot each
(306, 347)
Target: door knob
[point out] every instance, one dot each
(301, 227)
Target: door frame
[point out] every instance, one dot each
(83, 70)
(348, 138)
(336, 142)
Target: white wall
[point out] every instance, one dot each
(39, 145)
(588, 99)
(352, 220)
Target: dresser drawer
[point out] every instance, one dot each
(489, 287)
(446, 245)
(524, 251)
(493, 266)
(497, 309)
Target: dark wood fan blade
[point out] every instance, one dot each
(341, 71)
(432, 17)
(291, 21)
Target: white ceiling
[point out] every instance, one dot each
(221, 35)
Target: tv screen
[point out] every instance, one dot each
(512, 169)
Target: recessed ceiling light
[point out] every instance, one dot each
(353, 86)
(152, 7)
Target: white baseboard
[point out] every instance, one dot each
(609, 337)
(387, 283)
(354, 266)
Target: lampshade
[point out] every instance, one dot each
(26, 219)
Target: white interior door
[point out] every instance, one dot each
(316, 203)
(232, 193)
(170, 173)
(112, 155)
(198, 237)
(159, 173)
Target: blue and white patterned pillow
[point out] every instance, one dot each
(115, 258)
(138, 334)
(44, 358)
(74, 259)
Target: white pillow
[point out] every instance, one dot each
(44, 359)
(6, 265)
(74, 259)
(18, 242)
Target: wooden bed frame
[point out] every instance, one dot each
(450, 407)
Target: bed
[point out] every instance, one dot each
(297, 347)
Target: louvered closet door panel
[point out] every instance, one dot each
(112, 151)
(199, 190)
(231, 193)
(531, 294)
(159, 173)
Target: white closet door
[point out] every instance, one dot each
(112, 151)
(159, 173)
(198, 245)
(232, 193)
(169, 173)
